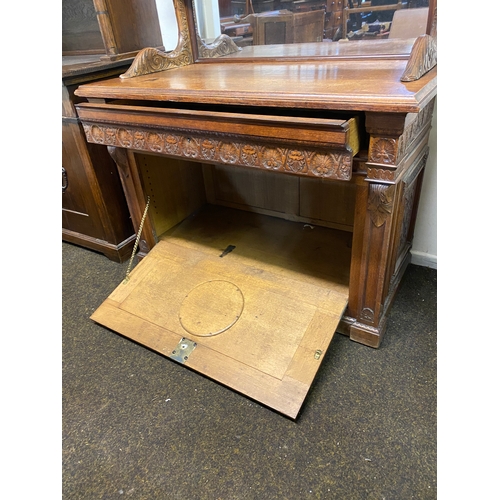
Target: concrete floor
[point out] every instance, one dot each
(137, 425)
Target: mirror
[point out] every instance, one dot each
(254, 25)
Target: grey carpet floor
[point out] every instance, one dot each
(136, 425)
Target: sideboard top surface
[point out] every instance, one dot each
(362, 85)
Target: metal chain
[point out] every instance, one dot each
(136, 244)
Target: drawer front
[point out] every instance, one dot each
(303, 146)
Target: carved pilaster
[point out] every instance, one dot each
(371, 259)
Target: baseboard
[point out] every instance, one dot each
(423, 259)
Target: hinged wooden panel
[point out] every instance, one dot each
(261, 314)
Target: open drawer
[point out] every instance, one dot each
(315, 146)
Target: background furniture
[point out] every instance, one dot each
(99, 40)
(94, 210)
(287, 27)
(114, 29)
(408, 23)
(355, 7)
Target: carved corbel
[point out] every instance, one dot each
(380, 203)
(221, 46)
(423, 58)
(150, 60)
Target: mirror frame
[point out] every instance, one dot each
(223, 45)
(190, 49)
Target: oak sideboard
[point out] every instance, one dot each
(275, 190)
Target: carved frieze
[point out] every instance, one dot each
(381, 174)
(229, 150)
(380, 203)
(415, 128)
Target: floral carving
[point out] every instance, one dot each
(125, 138)
(97, 134)
(171, 143)
(155, 142)
(409, 198)
(273, 159)
(212, 147)
(295, 161)
(208, 149)
(249, 155)
(345, 166)
(189, 147)
(139, 140)
(383, 150)
(228, 152)
(322, 165)
(221, 46)
(380, 203)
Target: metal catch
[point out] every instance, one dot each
(183, 350)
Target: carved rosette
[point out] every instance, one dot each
(273, 159)
(380, 203)
(385, 153)
(383, 150)
(237, 150)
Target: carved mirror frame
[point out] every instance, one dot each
(192, 49)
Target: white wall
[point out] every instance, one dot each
(168, 23)
(207, 17)
(424, 251)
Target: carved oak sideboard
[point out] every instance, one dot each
(311, 169)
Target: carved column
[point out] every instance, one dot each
(386, 206)
(129, 176)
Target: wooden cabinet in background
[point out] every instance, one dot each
(113, 29)
(94, 210)
(100, 38)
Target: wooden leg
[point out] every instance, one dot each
(373, 225)
(129, 176)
